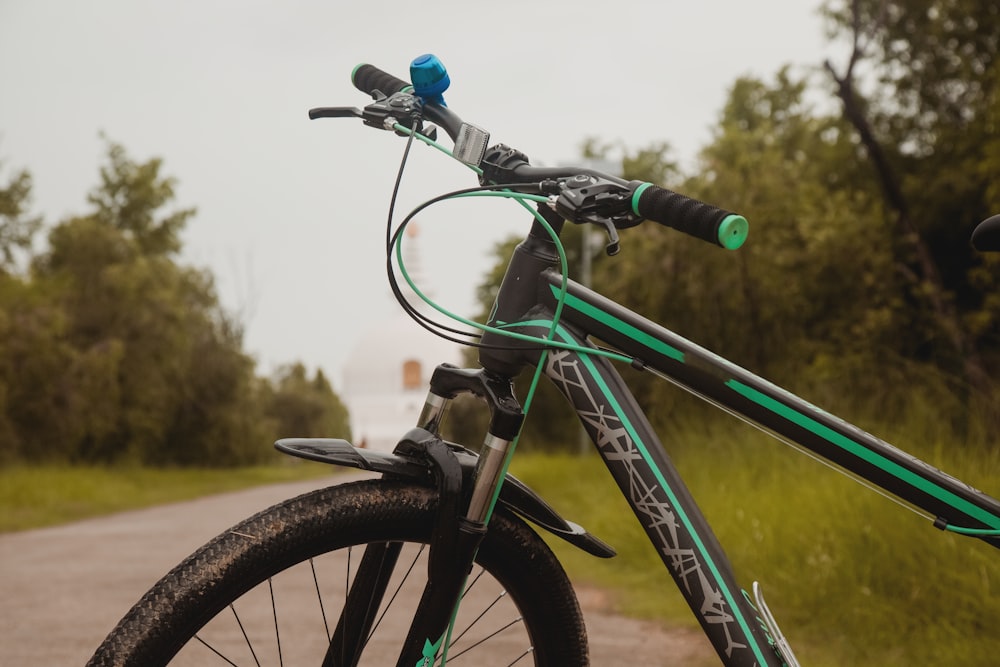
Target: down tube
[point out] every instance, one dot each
(663, 505)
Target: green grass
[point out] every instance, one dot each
(852, 578)
(32, 497)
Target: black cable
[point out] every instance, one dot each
(390, 241)
(420, 318)
(392, 238)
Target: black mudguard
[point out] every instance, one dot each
(515, 495)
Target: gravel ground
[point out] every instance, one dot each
(64, 588)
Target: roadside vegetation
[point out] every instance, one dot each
(40, 496)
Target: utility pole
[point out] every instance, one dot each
(590, 245)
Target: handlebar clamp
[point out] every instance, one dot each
(498, 165)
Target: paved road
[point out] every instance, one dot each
(64, 588)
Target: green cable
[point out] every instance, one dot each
(976, 532)
(522, 199)
(549, 342)
(430, 142)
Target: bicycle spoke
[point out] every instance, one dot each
(277, 633)
(246, 638)
(216, 652)
(347, 591)
(392, 598)
(518, 659)
(473, 582)
(478, 618)
(490, 636)
(483, 613)
(319, 597)
(347, 574)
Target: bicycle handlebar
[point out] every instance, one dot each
(691, 216)
(640, 200)
(368, 79)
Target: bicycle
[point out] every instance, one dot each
(460, 512)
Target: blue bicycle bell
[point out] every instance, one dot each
(430, 78)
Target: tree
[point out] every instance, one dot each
(111, 350)
(40, 419)
(148, 367)
(17, 228)
(17, 232)
(144, 312)
(130, 197)
(921, 109)
(220, 417)
(814, 292)
(810, 275)
(305, 407)
(859, 254)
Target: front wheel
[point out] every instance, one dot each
(271, 590)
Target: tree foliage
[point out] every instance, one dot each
(858, 286)
(111, 350)
(305, 407)
(17, 227)
(919, 88)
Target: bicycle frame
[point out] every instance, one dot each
(640, 465)
(531, 294)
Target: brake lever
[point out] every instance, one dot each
(613, 246)
(383, 114)
(335, 112)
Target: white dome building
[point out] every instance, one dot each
(385, 378)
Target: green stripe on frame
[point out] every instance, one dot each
(862, 452)
(638, 336)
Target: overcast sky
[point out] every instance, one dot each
(291, 213)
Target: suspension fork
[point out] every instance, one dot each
(464, 510)
(506, 417)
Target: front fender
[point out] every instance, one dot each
(515, 495)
